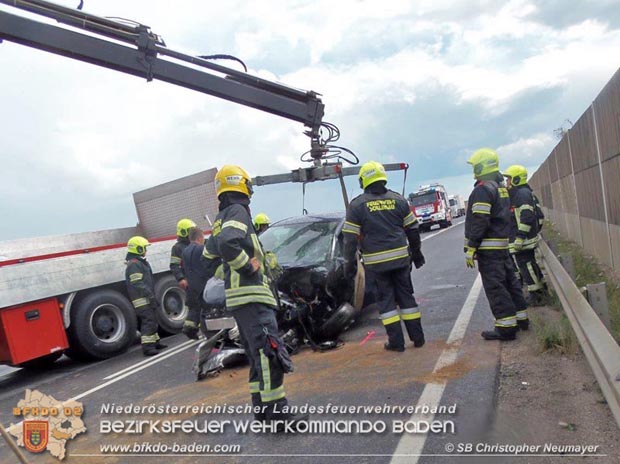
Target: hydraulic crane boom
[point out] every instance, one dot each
(142, 53)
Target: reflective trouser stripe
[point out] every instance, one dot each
(254, 387)
(409, 314)
(144, 339)
(188, 323)
(243, 300)
(387, 255)
(390, 317)
(537, 285)
(494, 244)
(249, 294)
(267, 394)
(522, 315)
(510, 321)
(138, 303)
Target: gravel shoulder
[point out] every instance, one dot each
(551, 398)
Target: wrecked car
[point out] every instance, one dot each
(316, 303)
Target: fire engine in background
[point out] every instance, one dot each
(457, 205)
(430, 205)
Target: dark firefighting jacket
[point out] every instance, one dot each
(176, 258)
(234, 240)
(387, 228)
(487, 223)
(523, 220)
(139, 280)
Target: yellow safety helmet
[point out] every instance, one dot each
(485, 161)
(517, 175)
(233, 179)
(137, 245)
(183, 227)
(261, 219)
(370, 173)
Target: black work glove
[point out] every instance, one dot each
(418, 259)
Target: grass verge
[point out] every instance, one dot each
(588, 271)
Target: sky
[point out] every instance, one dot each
(423, 82)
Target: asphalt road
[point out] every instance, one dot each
(455, 368)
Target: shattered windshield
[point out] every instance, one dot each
(425, 199)
(301, 243)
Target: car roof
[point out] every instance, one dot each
(308, 218)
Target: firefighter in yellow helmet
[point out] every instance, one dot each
(524, 228)
(248, 295)
(390, 241)
(487, 228)
(261, 223)
(140, 287)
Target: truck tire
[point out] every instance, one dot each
(103, 325)
(172, 310)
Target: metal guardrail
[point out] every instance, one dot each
(600, 348)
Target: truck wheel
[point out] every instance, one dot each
(103, 324)
(41, 363)
(172, 310)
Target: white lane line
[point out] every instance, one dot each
(442, 231)
(176, 349)
(410, 446)
(151, 362)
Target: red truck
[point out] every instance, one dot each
(430, 206)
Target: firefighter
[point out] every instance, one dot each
(390, 242)
(261, 223)
(139, 280)
(190, 325)
(195, 272)
(248, 295)
(487, 228)
(524, 232)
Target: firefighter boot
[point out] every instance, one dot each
(500, 333)
(396, 341)
(160, 346)
(190, 329)
(536, 298)
(523, 324)
(415, 332)
(149, 349)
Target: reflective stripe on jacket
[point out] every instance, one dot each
(381, 220)
(487, 223)
(234, 240)
(139, 281)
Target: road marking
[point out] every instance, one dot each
(410, 447)
(150, 362)
(176, 349)
(442, 231)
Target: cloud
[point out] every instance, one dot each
(421, 82)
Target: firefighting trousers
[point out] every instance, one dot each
(395, 288)
(194, 306)
(530, 271)
(502, 289)
(255, 321)
(147, 324)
